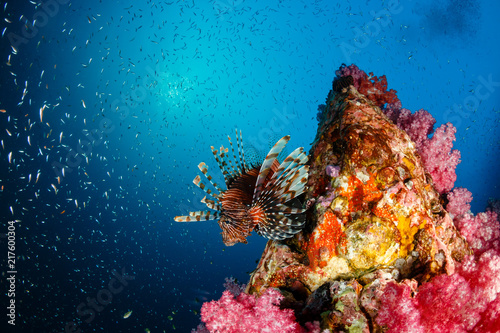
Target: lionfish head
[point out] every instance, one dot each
(256, 198)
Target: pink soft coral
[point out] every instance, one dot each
(439, 158)
(418, 125)
(481, 231)
(459, 201)
(245, 313)
(232, 286)
(461, 302)
(467, 301)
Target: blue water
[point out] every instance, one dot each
(162, 82)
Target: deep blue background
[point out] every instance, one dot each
(183, 75)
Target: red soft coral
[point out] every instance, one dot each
(454, 298)
(489, 319)
(373, 87)
(461, 302)
(398, 311)
(467, 301)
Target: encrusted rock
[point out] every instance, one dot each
(374, 216)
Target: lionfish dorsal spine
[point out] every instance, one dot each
(266, 165)
(222, 155)
(221, 165)
(229, 168)
(237, 169)
(241, 152)
(197, 216)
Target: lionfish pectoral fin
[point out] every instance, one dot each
(267, 164)
(275, 219)
(211, 203)
(289, 184)
(197, 216)
(280, 226)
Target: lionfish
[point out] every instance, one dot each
(255, 197)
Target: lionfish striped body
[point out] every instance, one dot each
(255, 197)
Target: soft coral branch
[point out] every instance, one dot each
(467, 301)
(246, 313)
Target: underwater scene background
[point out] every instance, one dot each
(107, 108)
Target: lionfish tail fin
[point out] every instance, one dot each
(197, 216)
(276, 220)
